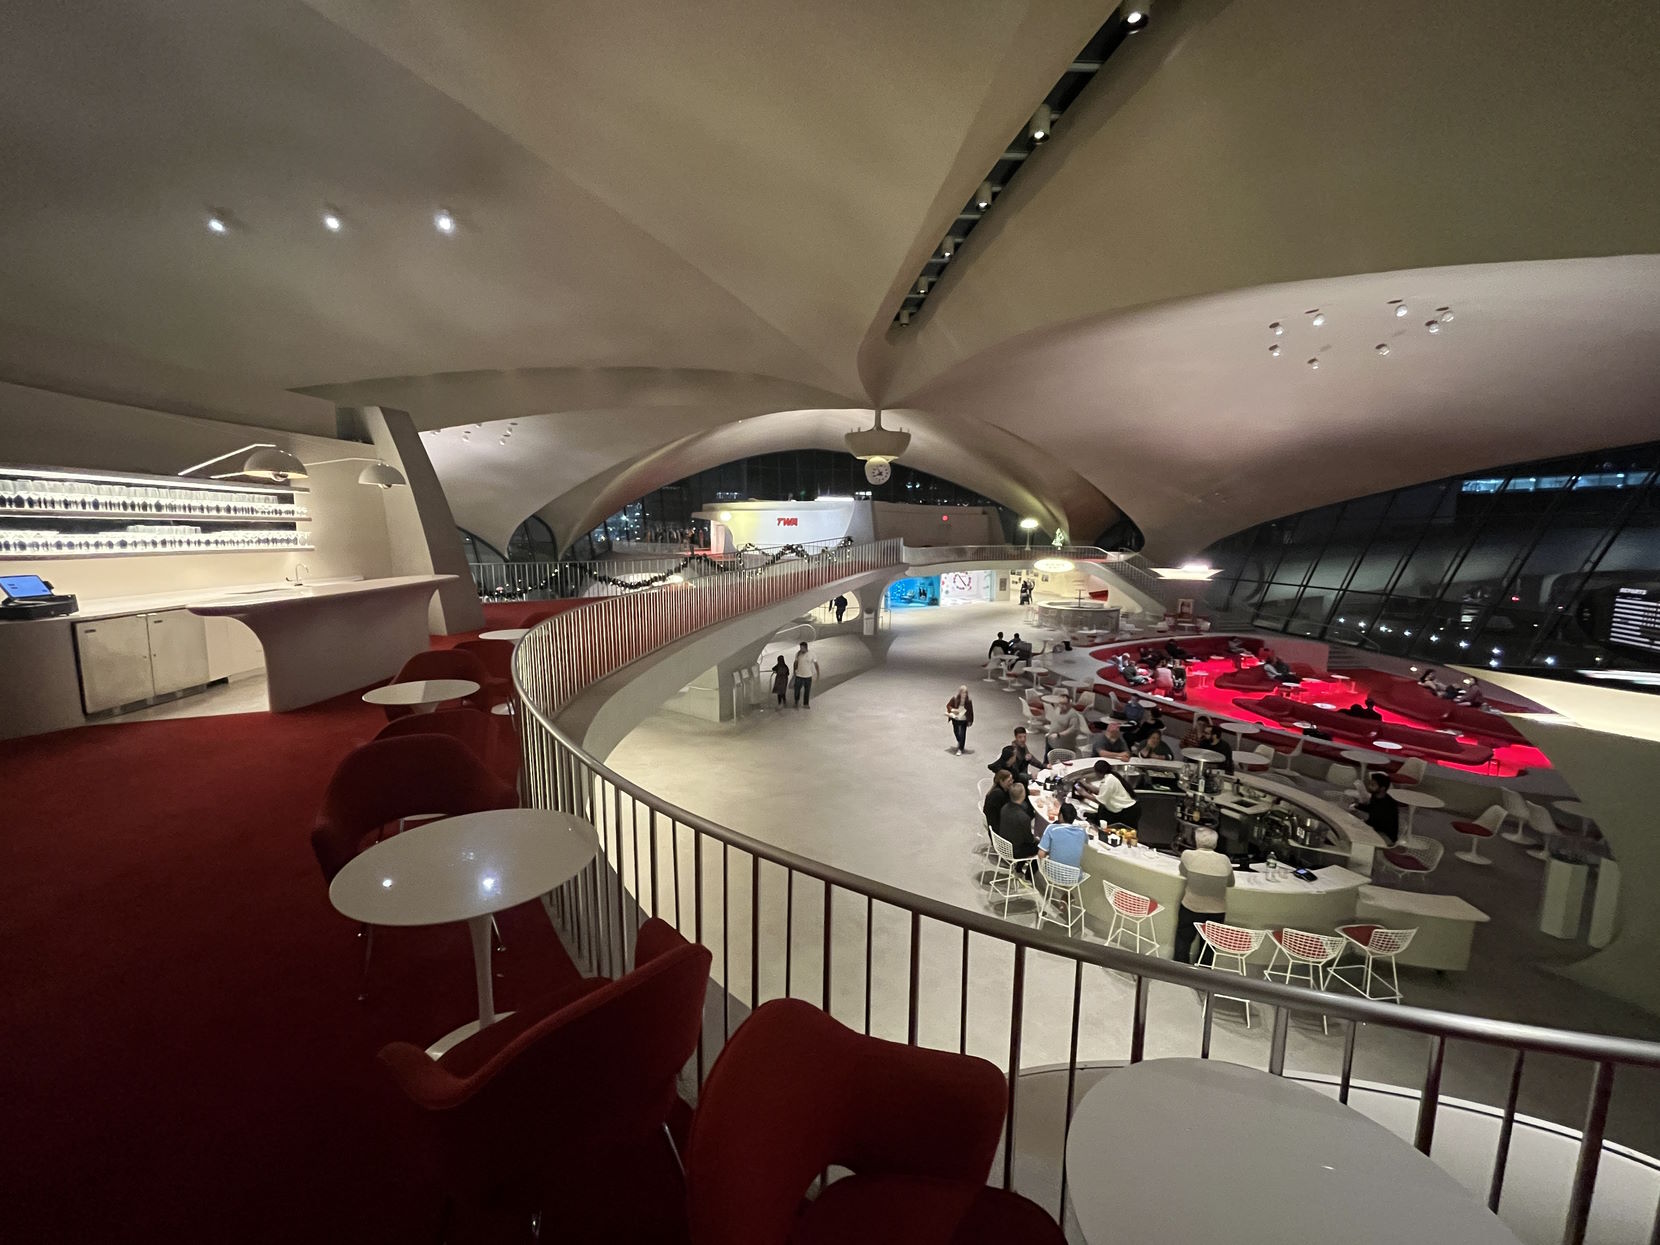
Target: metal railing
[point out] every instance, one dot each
(649, 845)
(593, 576)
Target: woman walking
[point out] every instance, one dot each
(780, 679)
(960, 709)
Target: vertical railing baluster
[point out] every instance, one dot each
(754, 932)
(1204, 1031)
(962, 1018)
(1276, 1043)
(1590, 1156)
(674, 857)
(789, 929)
(697, 936)
(1501, 1156)
(1016, 1016)
(656, 883)
(1350, 1029)
(825, 1006)
(1430, 1100)
(1071, 1076)
(725, 941)
(1138, 1020)
(870, 915)
(915, 992)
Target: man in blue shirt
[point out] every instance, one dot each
(1063, 842)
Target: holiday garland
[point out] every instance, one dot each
(715, 565)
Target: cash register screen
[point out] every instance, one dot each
(22, 587)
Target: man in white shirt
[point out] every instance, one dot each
(1209, 874)
(805, 671)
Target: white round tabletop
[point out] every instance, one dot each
(1386, 745)
(1241, 728)
(463, 867)
(420, 692)
(1360, 756)
(1572, 807)
(505, 709)
(1322, 704)
(1415, 799)
(1327, 1165)
(1203, 755)
(1250, 760)
(515, 634)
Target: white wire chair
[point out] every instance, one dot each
(1008, 879)
(1374, 943)
(1061, 882)
(1230, 946)
(1132, 917)
(1307, 956)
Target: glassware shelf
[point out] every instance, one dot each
(124, 516)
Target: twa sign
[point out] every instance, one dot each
(788, 521)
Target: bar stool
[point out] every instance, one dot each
(1308, 956)
(1132, 916)
(1483, 827)
(1230, 946)
(1061, 882)
(1374, 943)
(1007, 880)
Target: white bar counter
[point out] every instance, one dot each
(1446, 925)
(328, 638)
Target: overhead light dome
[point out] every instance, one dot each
(878, 442)
(380, 475)
(273, 464)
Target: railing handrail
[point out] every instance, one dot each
(1539, 1038)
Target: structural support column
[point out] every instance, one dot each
(871, 604)
(419, 524)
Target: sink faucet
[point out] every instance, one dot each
(298, 577)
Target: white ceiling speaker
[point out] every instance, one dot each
(877, 442)
(1041, 125)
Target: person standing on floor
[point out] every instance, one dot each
(960, 709)
(780, 679)
(841, 606)
(806, 670)
(1209, 874)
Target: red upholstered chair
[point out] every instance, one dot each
(497, 659)
(488, 737)
(529, 1117)
(795, 1092)
(444, 663)
(387, 780)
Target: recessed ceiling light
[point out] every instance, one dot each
(1400, 309)
(216, 224)
(1315, 364)
(1434, 326)
(1444, 314)
(1274, 350)
(331, 221)
(1382, 347)
(1277, 329)
(1135, 16)
(443, 221)
(1319, 319)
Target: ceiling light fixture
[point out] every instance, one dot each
(331, 220)
(982, 197)
(1314, 364)
(1136, 14)
(1382, 347)
(1042, 122)
(1188, 570)
(1401, 309)
(922, 285)
(948, 248)
(1274, 350)
(904, 317)
(1434, 326)
(1053, 566)
(1277, 329)
(443, 221)
(216, 224)
(1444, 314)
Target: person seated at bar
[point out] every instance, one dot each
(1216, 741)
(1111, 742)
(1017, 822)
(1367, 710)
(1378, 810)
(996, 797)
(1196, 733)
(1015, 757)
(1208, 874)
(1063, 841)
(1153, 748)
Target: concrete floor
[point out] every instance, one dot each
(867, 781)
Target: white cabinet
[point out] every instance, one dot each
(178, 650)
(137, 657)
(233, 648)
(115, 662)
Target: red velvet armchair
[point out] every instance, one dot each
(538, 1113)
(795, 1092)
(444, 663)
(488, 737)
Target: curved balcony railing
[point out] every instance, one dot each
(659, 859)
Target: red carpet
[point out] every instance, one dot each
(184, 1055)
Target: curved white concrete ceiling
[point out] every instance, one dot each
(673, 217)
